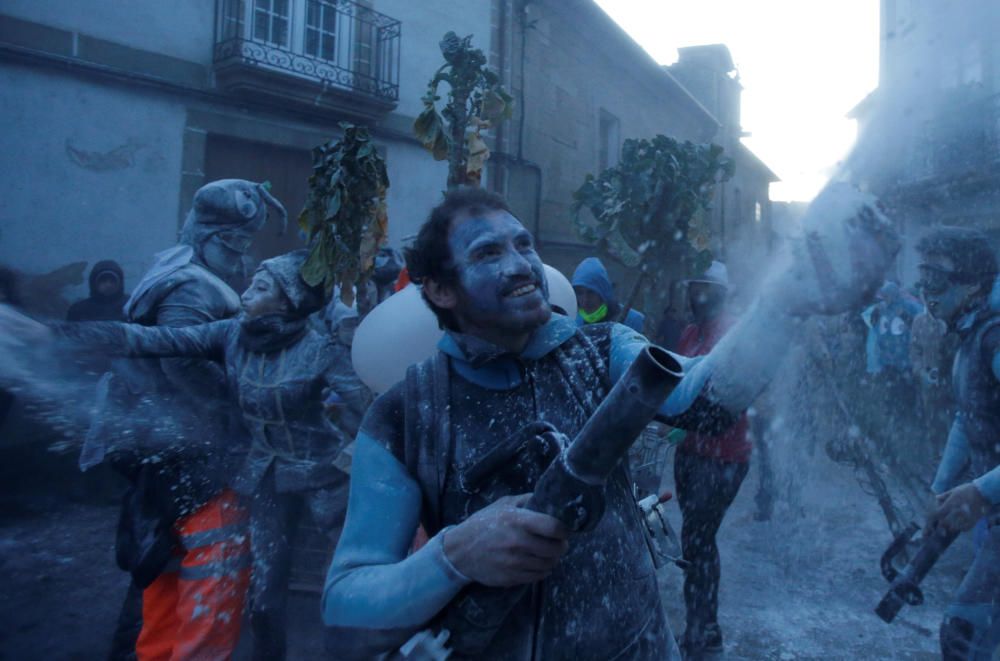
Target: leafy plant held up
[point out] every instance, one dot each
(476, 101)
(345, 218)
(651, 208)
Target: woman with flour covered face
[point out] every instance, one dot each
(283, 376)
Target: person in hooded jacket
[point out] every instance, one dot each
(708, 472)
(107, 295)
(283, 375)
(595, 297)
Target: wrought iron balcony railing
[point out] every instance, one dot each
(341, 46)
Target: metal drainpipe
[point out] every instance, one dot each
(534, 167)
(517, 9)
(501, 48)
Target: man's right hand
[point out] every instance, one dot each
(957, 510)
(505, 544)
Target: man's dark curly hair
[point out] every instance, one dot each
(429, 258)
(970, 250)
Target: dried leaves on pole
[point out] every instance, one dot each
(652, 207)
(345, 217)
(476, 101)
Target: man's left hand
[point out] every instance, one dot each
(960, 508)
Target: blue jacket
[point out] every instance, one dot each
(592, 275)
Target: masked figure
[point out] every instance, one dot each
(957, 271)
(168, 424)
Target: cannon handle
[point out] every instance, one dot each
(889, 571)
(905, 587)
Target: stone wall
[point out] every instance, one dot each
(91, 172)
(109, 107)
(578, 66)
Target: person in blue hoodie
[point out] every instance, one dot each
(595, 297)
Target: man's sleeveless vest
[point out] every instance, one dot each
(602, 600)
(977, 392)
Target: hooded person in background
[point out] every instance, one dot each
(708, 472)
(595, 297)
(106, 303)
(107, 295)
(283, 375)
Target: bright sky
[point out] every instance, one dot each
(803, 64)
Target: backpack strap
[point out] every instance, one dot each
(585, 371)
(427, 433)
(985, 330)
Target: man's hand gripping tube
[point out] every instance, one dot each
(572, 488)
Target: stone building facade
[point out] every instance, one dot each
(929, 135)
(115, 113)
(742, 229)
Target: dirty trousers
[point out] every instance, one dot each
(705, 490)
(274, 519)
(193, 610)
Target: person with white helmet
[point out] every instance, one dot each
(708, 471)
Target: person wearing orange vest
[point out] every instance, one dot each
(300, 402)
(182, 532)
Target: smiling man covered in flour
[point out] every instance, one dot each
(507, 363)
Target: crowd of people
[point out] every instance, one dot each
(236, 417)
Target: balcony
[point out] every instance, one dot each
(335, 54)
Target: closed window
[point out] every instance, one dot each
(609, 145)
(270, 21)
(308, 27)
(321, 29)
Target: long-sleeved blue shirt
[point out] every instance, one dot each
(372, 582)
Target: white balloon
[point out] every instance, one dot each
(561, 291)
(401, 331)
